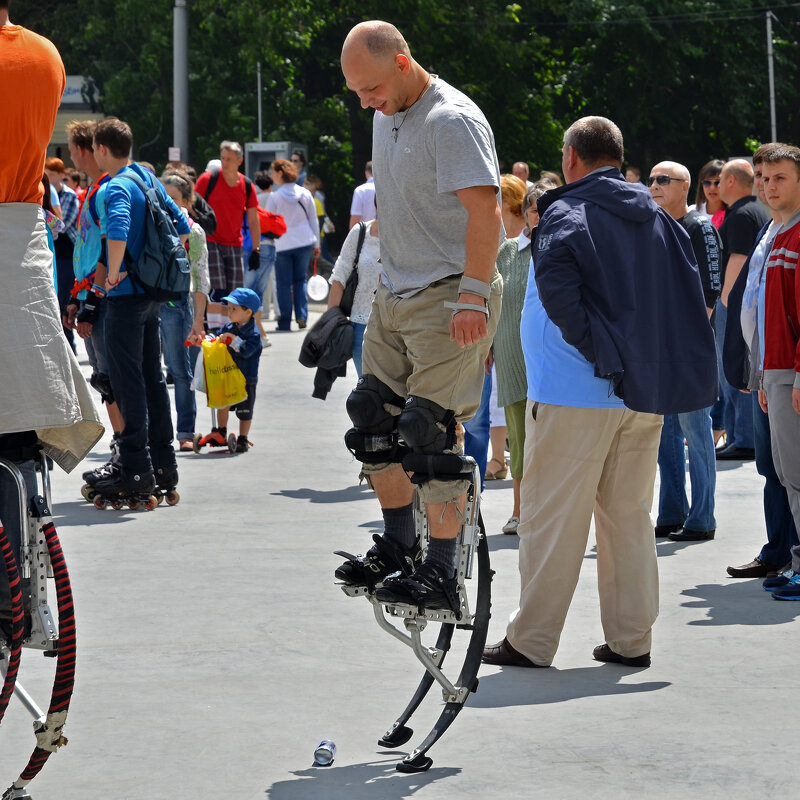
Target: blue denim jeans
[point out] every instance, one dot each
(176, 322)
(358, 342)
(291, 272)
(737, 415)
(673, 506)
(476, 431)
(258, 279)
(781, 531)
(133, 347)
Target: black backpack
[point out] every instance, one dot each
(162, 269)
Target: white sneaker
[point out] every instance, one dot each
(265, 342)
(511, 526)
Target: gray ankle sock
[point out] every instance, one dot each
(399, 525)
(443, 552)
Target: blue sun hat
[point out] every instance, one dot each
(244, 297)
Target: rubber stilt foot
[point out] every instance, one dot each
(396, 737)
(419, 764)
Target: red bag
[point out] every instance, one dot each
(272, 225)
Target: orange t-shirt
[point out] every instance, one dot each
(32, 81)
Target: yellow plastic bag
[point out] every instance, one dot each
(225, 384)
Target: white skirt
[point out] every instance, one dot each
(41, 385)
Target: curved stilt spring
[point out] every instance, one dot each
(399, 734)
(49, 735)
(17, 625)
(417, 761)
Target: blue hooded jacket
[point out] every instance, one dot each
(619, 278)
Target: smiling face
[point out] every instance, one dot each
(380, 83)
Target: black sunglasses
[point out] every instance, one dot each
(709, 184)
(661, 180)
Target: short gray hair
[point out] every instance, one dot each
(595, 139)
(234, 147)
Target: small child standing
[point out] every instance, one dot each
(244, 343)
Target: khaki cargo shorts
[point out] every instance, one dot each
(407, 346)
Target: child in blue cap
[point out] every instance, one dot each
(244, 343)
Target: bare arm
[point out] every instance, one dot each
(354, 220)
(255, 228)
(335, 295)
(732, 270)
(483, 235)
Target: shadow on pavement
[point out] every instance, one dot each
(741, 603)
(335, 496)
(79, 512)
(514, 686)
(377, 779)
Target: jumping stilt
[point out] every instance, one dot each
(472, 615)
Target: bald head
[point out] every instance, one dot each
(740, 170)
(736, 180)
(380, 40)
(378, 67)
(671, 168)
(669, 185)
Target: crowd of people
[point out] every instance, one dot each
(492, 313)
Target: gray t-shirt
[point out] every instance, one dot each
(444, 143)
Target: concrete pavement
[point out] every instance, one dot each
(215, 653)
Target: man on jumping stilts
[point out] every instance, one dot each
(435, 311)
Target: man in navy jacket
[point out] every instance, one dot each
(615, 334)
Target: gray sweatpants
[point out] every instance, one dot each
(784, 425)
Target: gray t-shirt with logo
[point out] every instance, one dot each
(443, 143)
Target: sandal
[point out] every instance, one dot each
(186, 446)
(498, 474)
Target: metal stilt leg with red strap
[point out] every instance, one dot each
(41, 556)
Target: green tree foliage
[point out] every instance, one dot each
(685, 80)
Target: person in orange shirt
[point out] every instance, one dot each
(47, 404)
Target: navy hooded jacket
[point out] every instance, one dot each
(619, 278)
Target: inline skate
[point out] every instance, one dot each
(166, 481)
(120, 488)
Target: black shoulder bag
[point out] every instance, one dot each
(346, 303)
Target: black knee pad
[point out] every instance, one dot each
(430, 431)
(439, 466)
(102, 384)
(427, 427)
(374, 438)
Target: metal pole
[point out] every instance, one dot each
(773, 127)
(180, 77)
(258, 94)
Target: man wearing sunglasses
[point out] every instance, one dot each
(669, 185)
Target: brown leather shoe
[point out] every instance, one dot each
(604, 653)
(755, 569)
(504, 655)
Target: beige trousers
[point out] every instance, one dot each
(579, 462)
